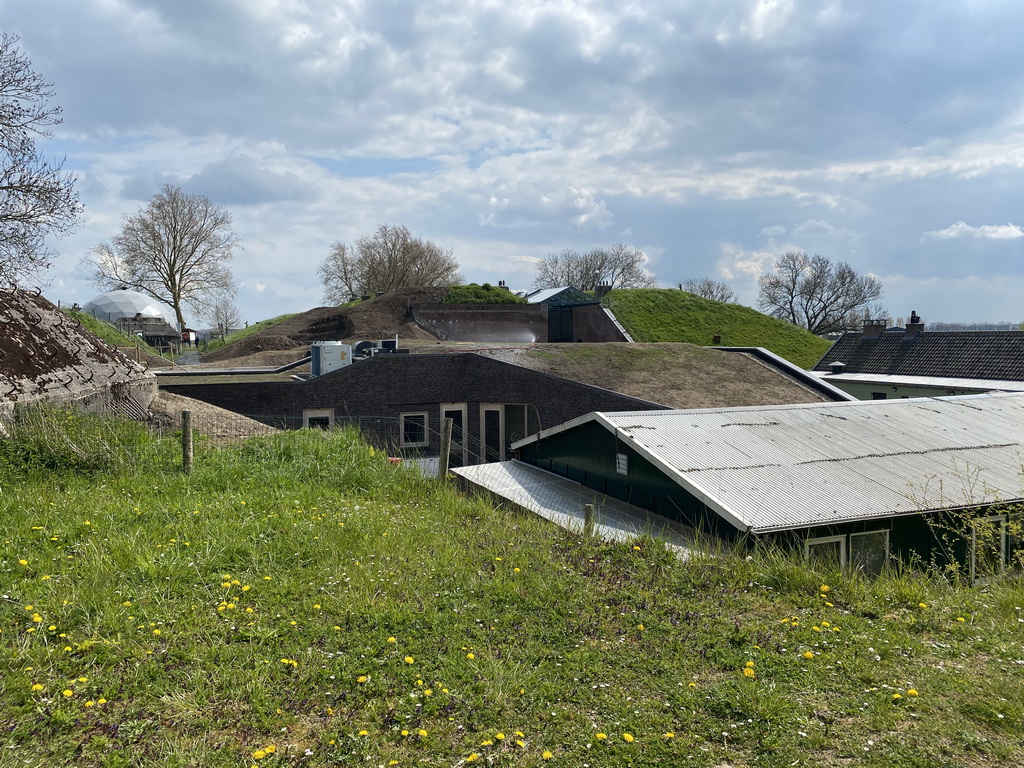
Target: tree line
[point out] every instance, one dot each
(178, 247)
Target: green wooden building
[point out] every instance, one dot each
(929, 480)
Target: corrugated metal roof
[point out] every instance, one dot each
(561, 501)
(782, 467)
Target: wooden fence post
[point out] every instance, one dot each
(186, 442)
(446, 448)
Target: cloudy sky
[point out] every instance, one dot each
(712, 135)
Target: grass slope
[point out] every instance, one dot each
(107, 332)
(243, 333)
(299, 601)
(667, 315)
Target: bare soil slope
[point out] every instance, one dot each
(378, 318)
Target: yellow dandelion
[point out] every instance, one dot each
(364, 733)
(259, 754)
(422, 733)
(473, 757)
(808, 655)
(499, 736)
(546, 755)
(90, 703)
(748, 672)
(922, 605)
(749, 665)
(409, 660)
(601, 737)
(824, 588)
(362, 679)
(486, 743)
(23, 562)
(912, 692)
(470, 656)
(392, 640)
(405, 732)
(896, 697)
(628, 738)
(668, 735)
(37, 687)
(67, 693)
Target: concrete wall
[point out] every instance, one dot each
(484, 322)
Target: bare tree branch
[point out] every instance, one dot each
(816, 293)
(619, 266)
(389, 259)
(176, 250)
(37, 197)
(707, 288)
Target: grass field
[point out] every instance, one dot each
(297, 600)
(667, 315)
(242, 333)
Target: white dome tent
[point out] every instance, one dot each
(114, 305)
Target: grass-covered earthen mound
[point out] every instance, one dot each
(668, 315)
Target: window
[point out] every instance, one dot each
(318, 418)
(502, 424)
(869, 551)
(879, 396)
(828, 551)
(988, 548)
(622, 463)
(457, 413)
(414, 430)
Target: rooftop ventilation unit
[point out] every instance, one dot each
(327, 356)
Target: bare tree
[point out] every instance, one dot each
(176, 249)
(223, 315)
(816, 293)
(707, 288)
(37, 198)
(618, 266)
(389, 259)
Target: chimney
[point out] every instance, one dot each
(837, 367)
(873, 329)
(600, 291)
(915, 326)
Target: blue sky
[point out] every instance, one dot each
(712, 135)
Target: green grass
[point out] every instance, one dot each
(242, 333)
(481, 294)
(297, 591)
(107, 332)
(667, 315)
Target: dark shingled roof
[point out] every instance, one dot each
(947, 354)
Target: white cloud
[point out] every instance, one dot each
(985, 231)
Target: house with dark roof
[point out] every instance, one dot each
(854, 483)
(885, 363)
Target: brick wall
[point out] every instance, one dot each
(377, 391)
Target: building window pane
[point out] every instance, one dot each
(622, 463)
(988, 548)
(869, 552)
(827, 551)
(414, 429)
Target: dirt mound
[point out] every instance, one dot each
(251, 345)
(378, 318)
(215, 423)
